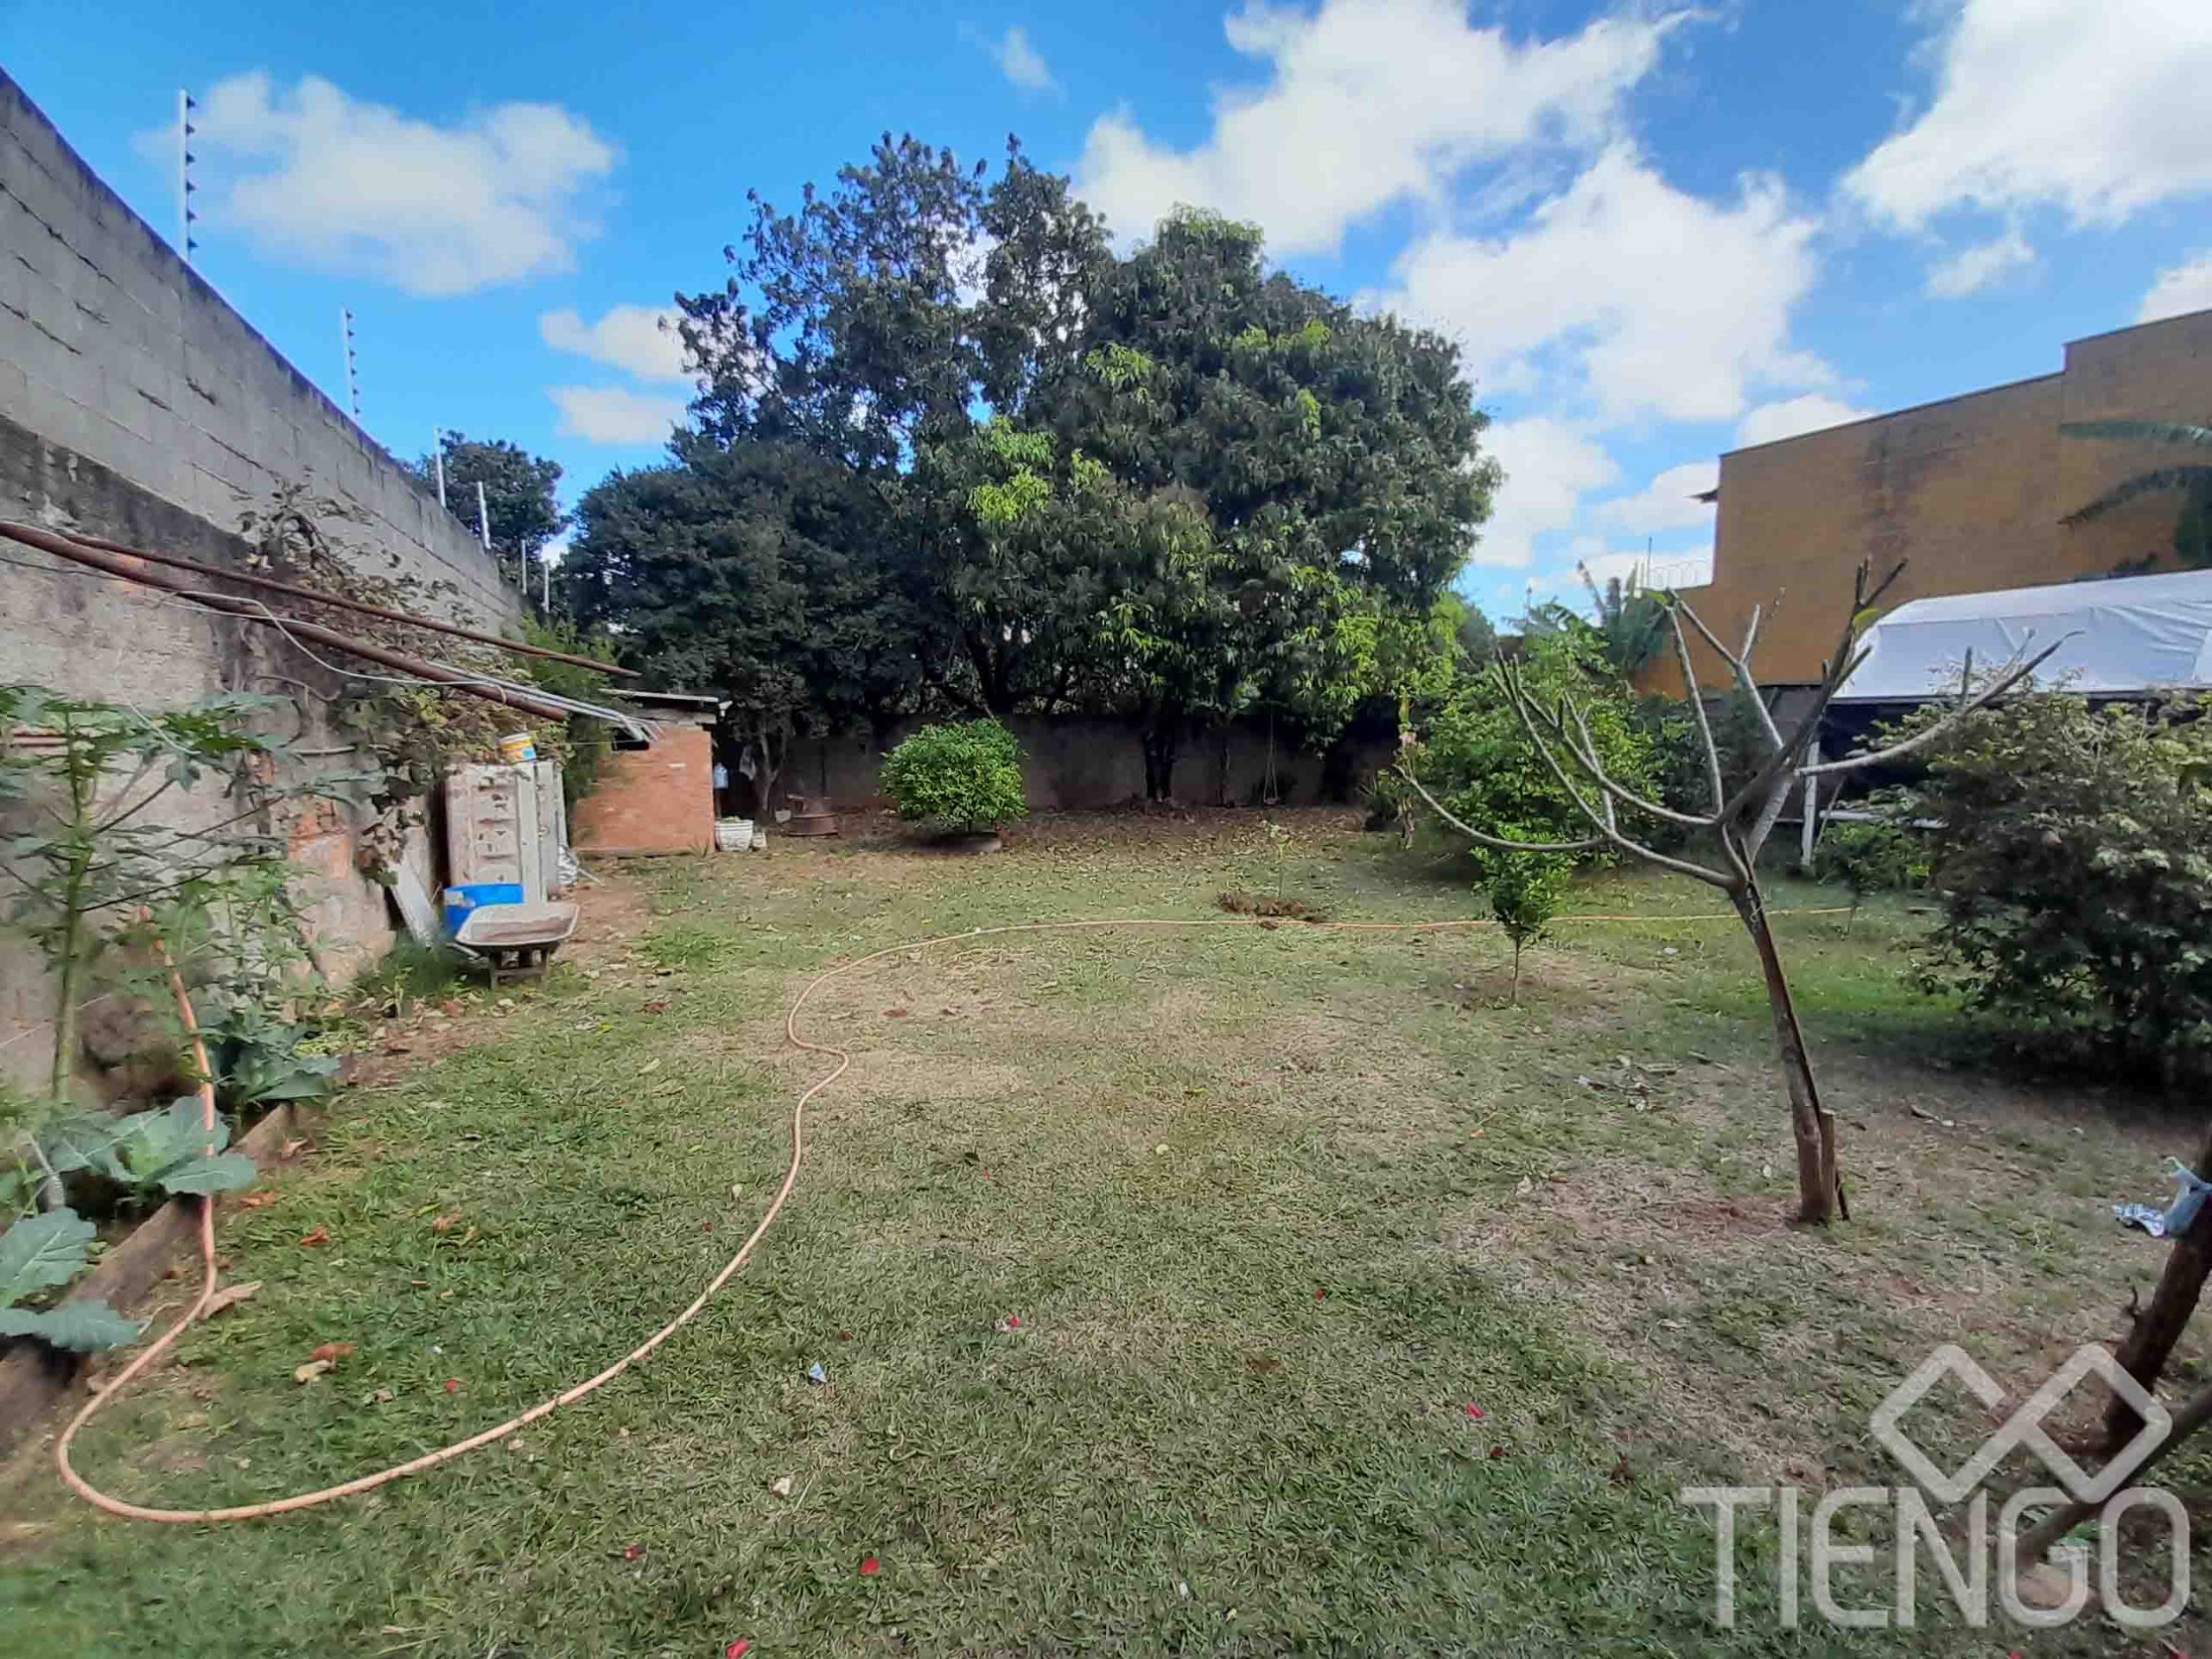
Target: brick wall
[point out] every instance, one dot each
(659, 799)
(1969, 492)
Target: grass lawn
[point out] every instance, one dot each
(1272, 1208)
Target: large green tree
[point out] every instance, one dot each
(747, 569)
(520, 504)
(1171, 485)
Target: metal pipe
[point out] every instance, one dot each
(272, 585)
(249, 610)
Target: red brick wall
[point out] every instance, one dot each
(655, 800)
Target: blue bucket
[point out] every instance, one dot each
(474, 895)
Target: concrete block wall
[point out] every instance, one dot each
(1074, 763)
(136, 406)
(114, 349)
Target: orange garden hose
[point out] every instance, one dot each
(368, 1483)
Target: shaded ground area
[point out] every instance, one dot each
(1152, 1275)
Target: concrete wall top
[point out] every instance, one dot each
(1970, 491)
(111, 348)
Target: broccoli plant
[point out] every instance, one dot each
(44, 1252)
(171, 1150)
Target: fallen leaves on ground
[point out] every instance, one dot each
(332, 1352)
(312, 1370)
(231, 1296)
(320, 1236)
(260, 1200)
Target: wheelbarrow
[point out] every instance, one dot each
(513, 939)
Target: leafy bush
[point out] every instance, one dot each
(1478, 760)
(2073, 853)
(964, 777)
(1884, 857)
(45, 1252)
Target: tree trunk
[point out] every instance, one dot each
(2151, 1339)
(1162, 739)
(1820, 1182)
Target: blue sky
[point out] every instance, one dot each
(1659, 233)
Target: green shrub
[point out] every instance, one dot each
(1883, 857)
(964, 777)
(2072, 851)
(1477, 759)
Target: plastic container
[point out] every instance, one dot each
(474, 895)
(518, 748)
(734, 835)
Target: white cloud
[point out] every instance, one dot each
(1021, 63)
(636, 338)
(1369, 102)
(1973, 269)
(348, 186)
(2094, 106)
(1669, 502)
(1550, 466)
(1669, 305)
(614, 414)
(1770, 422)
(2180, 290)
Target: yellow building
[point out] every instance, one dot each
(1971, 492)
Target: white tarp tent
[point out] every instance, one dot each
(2125, 637)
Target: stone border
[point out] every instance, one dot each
(34, 1377)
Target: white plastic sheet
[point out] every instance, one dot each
(2126, 636)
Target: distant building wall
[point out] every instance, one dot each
(1970, 492)
(136, 406)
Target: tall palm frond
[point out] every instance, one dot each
(2192, 479)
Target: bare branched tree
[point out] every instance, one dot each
(1739, 821)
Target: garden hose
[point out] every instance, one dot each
(843, 1057)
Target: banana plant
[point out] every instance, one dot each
(45, 1252)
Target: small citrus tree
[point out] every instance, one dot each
(1525, 890)
(1564, 739)
(964, 777)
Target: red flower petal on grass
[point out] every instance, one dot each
(1497, 1451)
(738, 1648)
(1474, 1411)
(1320, 1294)
(452, 1385)
(870, 1567)
(633, 1552)
(1013, 1321)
